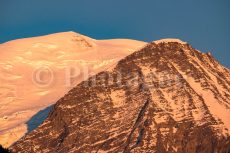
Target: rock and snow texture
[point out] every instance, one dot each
(36, 72)
(165, 98)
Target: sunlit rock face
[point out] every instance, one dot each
(36, 72)
(165, 98)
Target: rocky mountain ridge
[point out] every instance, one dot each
(166, 98)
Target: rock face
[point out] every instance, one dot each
(165, 98)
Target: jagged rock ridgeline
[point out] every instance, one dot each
(165, 98)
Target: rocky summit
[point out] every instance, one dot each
(165, 98)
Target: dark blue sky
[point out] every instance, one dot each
(203, 23)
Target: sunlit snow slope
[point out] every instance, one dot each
(36, 72)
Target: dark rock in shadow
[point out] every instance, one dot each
(38, 118)
(4, 150)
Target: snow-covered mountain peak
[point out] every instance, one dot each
(52, 57)
(168, 40)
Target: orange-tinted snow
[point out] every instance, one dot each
(36, 72)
